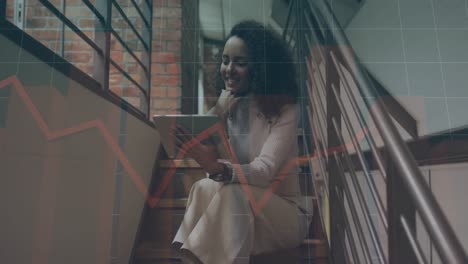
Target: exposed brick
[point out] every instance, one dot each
(115, 80)
(44, 34)
(164, 103)
(39, 11)
(36, 22)
(86, 23)
(137, 78)
(173, 92)
(173, 68)
(128, 58)
(54, 45)
(158, 92)
(79, 57)
(137, 54)
(54, 23)
(78, 11)
(132, 67)
(117, 90)
(164, 57)
(70, 35)
(174, 3)
(158, 45)
(10, 13)
(74, 2)
(169, 35)
(119, 23)
(157, 68)
(172, 12)
(131, 92)
(76, 46)
(173, 23)
(159, 3)
(158, 22)
(166, 47)
(117, 56)
(157, 111)
(173, 46)
(166, 80)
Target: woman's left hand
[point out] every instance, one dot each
(205, 155)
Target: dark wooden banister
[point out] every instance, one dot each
(395, 109)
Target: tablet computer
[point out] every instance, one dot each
(195, 124)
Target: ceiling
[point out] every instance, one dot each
(218, 16)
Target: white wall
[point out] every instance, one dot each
(417, 49)
(448, 182)
(65, 200)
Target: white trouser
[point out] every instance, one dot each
(219, 226)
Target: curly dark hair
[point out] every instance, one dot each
(273, 76)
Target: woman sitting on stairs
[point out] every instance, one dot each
(251, 202)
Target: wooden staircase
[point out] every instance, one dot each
(161, 223)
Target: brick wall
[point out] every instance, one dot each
(9, 10)
(166, 46)
(166, 57)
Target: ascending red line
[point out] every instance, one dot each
(153, 199)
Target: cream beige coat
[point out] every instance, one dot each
(220, 225)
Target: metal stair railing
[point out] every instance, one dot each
(104, 30)
(332, 76)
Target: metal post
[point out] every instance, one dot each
(102, 39)
(146, 57)
(62, 33)
(398, 202)
(19, 9)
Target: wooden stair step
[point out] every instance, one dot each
(163, 221)
(148, 253)
(184, 174)
(311, 251)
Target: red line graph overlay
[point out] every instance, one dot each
(152, 200)
(52, 135)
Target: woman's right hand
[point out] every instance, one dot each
(205, 155)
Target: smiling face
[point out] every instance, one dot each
(235, 66)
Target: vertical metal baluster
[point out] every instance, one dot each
(62, 33)
(320, 106)
(360, 117)
(413, 241)
(361, 199)
(354, 216)
(102, 39)
(146, 56)
(322, 152)
(399, 204)
(369, 178)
